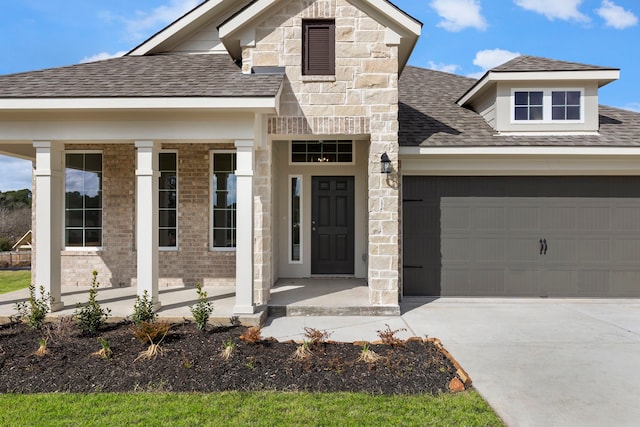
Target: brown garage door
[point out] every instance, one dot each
(521, 236)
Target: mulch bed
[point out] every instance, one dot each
(191, 362)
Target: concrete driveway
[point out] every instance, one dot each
(537, 362)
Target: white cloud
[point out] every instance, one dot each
(459, 14)
(102, 56)
(143, 22)
(615, 16)
(633, 106)
(15, 174)
(447, 68)
(565, 10)
(490, 58)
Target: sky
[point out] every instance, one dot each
(465, 37)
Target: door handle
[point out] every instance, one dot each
(543, 246)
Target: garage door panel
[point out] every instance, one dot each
(522, 283)
(421, 282)
(487, 234)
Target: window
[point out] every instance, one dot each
(83, 200)
(318, 47)
(322, 152)
(565, 105)
(224, 200)
(168, 201)
(295, 203)
(528, 105)
(547, 106)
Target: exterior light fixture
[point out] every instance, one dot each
(385, 163)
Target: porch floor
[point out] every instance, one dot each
(289, 297)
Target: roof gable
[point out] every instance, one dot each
(403, 29)
(188, 24)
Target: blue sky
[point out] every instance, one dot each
(465, 37)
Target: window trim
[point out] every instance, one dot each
(212, 154)
(323, 164)
(331, 46)
(177, 246)
(64, 204)
(290, 219)
(547, 107)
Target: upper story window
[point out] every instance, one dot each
(168, 201)
(318, 47)
(547, 106)
(528, 105)
(83, 200)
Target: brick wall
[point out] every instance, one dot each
(116, 264)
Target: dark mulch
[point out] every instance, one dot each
(191, 362)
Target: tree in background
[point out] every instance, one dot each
(15, 217)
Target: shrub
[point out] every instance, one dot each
(252, 335)
(92, 316)
(36, 308)
(388, 336)
(143, 309)
(316, 336)
(202, 309)
(150, 331)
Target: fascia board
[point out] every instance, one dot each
(396, 15)
(230, 27)
(222, 103)
(177, 27)
(527, 151)
(603, 77)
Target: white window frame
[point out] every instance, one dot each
(212, 154)
(323, 164)
(64, 204)
(176, 247)
(546, 105)
(290, 215)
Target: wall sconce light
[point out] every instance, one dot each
(385, 163)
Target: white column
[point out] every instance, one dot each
(48, 231)
(147, 177)
(244, 227)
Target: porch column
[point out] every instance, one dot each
(49, 195)
(147, 176)
(244, 227)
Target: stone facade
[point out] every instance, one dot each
(191, 263)
(362, 98)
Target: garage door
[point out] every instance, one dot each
(521, 236)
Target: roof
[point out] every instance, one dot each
(143, 77)
(430, 117)
(526, 63)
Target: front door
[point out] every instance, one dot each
(332, 225)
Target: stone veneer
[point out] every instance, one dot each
(192, 263)
(362, 98)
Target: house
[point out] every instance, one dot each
(243, 144)
(23, 244)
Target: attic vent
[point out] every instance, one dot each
(318, 54)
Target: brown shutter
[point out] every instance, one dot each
(319, 47)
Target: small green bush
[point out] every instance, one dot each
(92, 316)
(143, 310)
(202, 309)
(36, 308)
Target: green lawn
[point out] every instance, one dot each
(13, 280)
(244, 409)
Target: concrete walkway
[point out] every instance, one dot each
(537, 362)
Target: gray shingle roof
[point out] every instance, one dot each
(430, 117)
(143, 76)
(527, 63)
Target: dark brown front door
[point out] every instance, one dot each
(332, 225)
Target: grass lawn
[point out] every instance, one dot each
(13, 280)
(242, 409)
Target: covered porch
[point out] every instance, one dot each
(289, 297)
